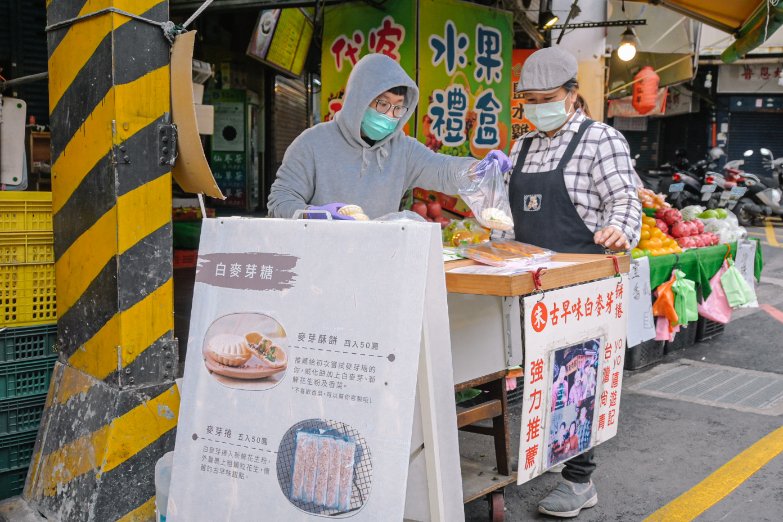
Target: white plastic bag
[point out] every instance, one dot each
(488, 199)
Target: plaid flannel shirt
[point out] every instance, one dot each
(599, 177)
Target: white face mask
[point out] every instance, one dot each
(548, 116)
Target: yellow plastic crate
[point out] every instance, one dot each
(26, 247)
(27, 295)
(25, 211)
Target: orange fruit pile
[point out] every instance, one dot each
(655, 240)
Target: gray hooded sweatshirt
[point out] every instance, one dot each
(331, 163)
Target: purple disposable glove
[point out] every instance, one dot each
(331, 208)
(495, 157)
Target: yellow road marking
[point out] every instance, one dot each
(773, 241)
(720, 483)
(142, 513)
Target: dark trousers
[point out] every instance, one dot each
(580, 468)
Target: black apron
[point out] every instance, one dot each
(543, 212)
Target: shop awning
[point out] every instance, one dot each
(751, 21)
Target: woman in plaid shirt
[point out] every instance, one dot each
(571, 190)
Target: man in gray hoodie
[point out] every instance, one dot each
(363, 157)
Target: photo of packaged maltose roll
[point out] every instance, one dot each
(333, 486)
(325, 450)
(347, 463)
(324, 467)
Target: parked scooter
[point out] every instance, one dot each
(762, 198)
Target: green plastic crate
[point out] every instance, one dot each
(25, 378)
(27, 342)
(12, 482)
(16, 450)
(18, 415)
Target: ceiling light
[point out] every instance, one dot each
(547, 20)
(628, 43)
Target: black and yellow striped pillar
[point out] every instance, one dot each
(112, 408)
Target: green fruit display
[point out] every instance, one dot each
(710, 214)
(722, 214)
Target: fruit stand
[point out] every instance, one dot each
(484, 311)
(695, 242)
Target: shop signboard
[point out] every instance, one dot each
(750, 78)
(354, 29)
(281, 38)
(519, 124)
(465, 58)
(574, 354)
(301, 374)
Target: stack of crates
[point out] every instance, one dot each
(28, 330)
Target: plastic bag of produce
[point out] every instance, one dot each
(738, 291)
(691, 212)
(465, 232)
(487, 198)
(731, 219)
(716, 307)
(685, 303)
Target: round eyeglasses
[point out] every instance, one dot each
(382, 106)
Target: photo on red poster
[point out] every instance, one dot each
(574, 383)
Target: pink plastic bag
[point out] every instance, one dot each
(716, 307)
(662, 330)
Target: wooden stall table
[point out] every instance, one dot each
(486, 339)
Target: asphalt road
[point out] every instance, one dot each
(666, 447)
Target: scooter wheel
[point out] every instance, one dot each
(744, 216)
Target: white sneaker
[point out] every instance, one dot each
(565, 502)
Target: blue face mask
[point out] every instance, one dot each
(377, 126)
(547, 116)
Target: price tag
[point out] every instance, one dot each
(676, 187)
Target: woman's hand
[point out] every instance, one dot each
(612, 238)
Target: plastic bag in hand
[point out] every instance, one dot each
(487, 197)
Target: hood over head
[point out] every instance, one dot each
(373, 75)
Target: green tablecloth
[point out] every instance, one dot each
(699, 265)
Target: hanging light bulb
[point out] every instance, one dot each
(547, 20)
(628, 43)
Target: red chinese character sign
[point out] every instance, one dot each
(464, 71)
(355, 29)
(519, 124)
(574, 355)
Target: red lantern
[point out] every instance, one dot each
(645, 90)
